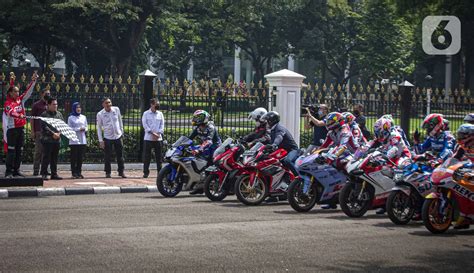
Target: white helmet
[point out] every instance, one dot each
(257, 113)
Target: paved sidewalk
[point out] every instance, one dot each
(94, 182)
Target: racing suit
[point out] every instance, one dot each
(442, 145)
(209, 138)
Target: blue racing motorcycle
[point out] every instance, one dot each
(183, 168)
(412, 184)
(317, 183)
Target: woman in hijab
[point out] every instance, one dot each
(78, 123)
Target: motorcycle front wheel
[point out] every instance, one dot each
(167, 186)
(401, 207)
(249, 195)
(434, 219)
(351, 204)
(211, 188)
(300, 201)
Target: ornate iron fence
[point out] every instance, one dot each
(229, 103)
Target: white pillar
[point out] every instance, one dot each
(248, 73)
(237, 64)
(291, 62)
(190, 74)
(286, 99)
(448, 75)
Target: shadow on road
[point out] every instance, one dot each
(430, 261)
(313, 211)
(238, 204)
(390, 225)
(449, 233)
(216, 202)
(159, 196)
(344, 217)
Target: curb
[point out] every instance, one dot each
(41, 192)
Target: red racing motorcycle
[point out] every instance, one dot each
(264, 175)
(219, 179)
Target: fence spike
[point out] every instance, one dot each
(63, 78)
(72, 79)
(91, 79)
(129, 79)
(111, 80)
(101, 79)
(82, 79)
(67, 88)
(96, 88)
(58, 87)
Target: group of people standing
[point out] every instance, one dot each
(47, 138)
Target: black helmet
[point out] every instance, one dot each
(271, 118)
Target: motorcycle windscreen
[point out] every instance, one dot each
(250, 154)
(182, 141)
(222, 148)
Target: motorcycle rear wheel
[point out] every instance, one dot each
(298, 201)
(348, 199)
(166, 187)
(211, 188)
(248, 195)
(432, 219)
(401, 207)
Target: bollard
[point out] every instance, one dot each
(405, 106)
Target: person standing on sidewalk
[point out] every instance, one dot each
(38, 108)
(13, 123)
(78, 123)
(109, 120)
(51, 140)
(154, 125)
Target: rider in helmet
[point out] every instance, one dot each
(260, 133)
(207, 134)
(438, 140)
(465, 141)
(398, 129)
(390, 140)
(469, 118)
(349, 119)
(339, 133)
(281, 138)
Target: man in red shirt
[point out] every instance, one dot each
(14, 124)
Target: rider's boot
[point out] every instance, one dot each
(462, 223)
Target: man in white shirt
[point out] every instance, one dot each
(154, 124)
(109, 120)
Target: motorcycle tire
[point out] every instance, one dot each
(295, 190)
(242, 184)
(348, 192)
(211, 185)
(397, 202)
(161, 180)
(430, 216)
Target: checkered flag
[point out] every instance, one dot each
(59, 125)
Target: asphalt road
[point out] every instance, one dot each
(146, 232)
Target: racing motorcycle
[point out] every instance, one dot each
(318, 181)
(264, 175)
(412, 184)
(183, 168)
(454, 192)
(369, 186)
(219, 178)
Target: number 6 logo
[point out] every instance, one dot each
(441, 35)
